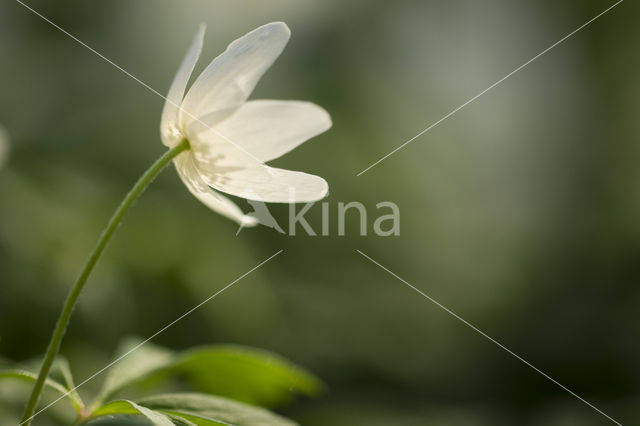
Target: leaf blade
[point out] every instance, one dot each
(186, 419)
(126, 407)
(29, 376)
(249, 375)
(135, 359)
(62, 368)
(245, 374)
(213, 408)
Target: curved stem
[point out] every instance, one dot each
(74, 293)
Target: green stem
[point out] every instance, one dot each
(72, 298)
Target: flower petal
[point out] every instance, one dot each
(264, 183)
(230, 78)
(209, 197)
(267, 129)
(169, 129)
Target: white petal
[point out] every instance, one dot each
(169, 128)
(264, 183)
(230, 78)
(210, 198)
(266, 129)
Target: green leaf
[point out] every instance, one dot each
(254, 376)
(202, 409)
(119, 406)
(49, 383)
(134, 361)
(249, 375)
(184, 419)
(125, 407)
(61, 371)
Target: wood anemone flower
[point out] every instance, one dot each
(232, 138)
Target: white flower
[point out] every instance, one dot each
(231, 138)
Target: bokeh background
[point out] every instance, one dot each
(521, 213)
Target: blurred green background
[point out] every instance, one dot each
(521, 213)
